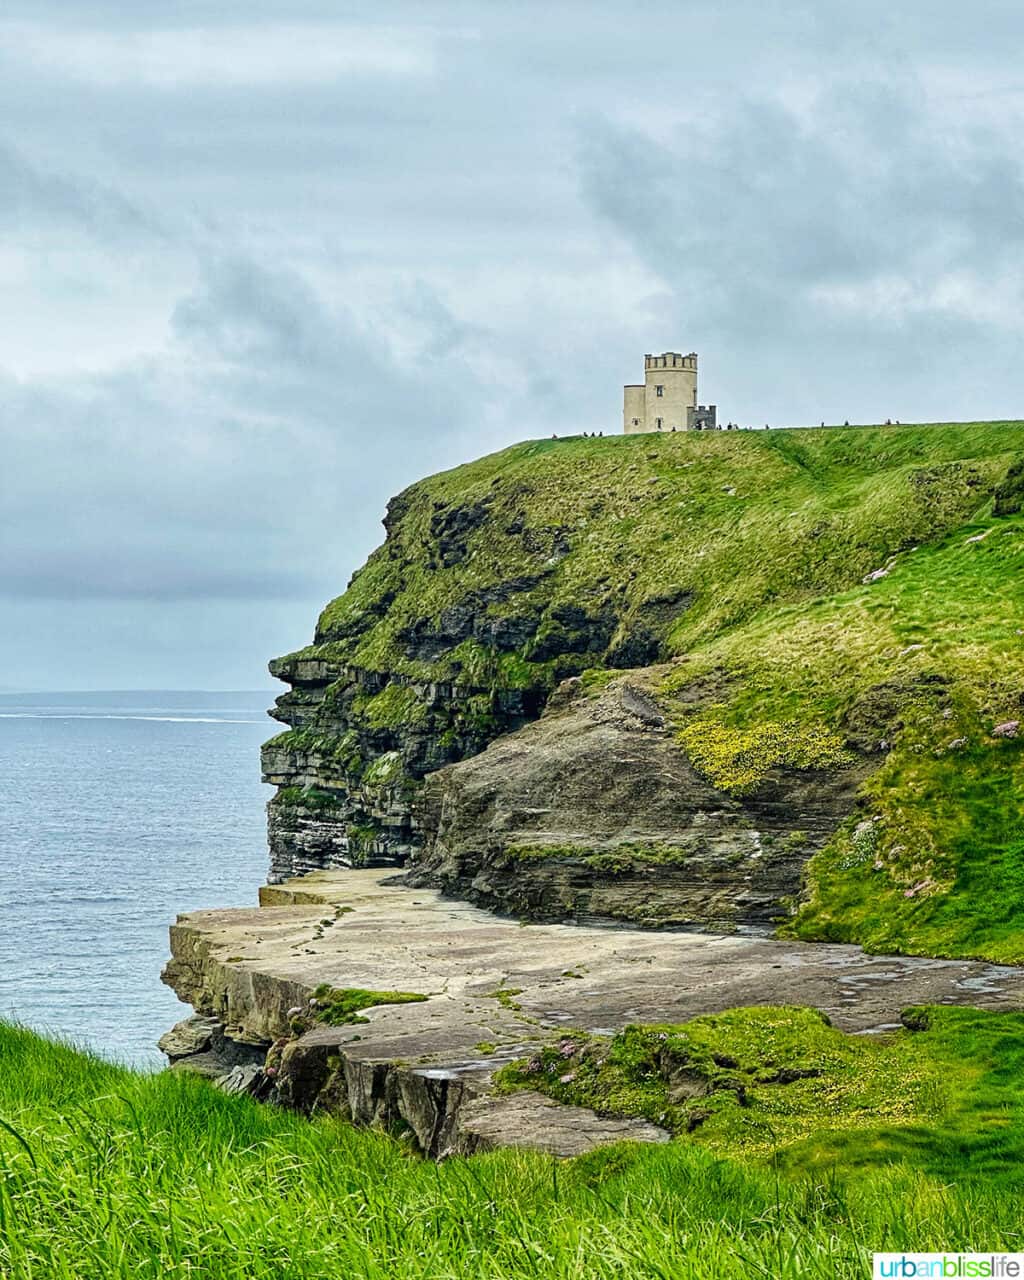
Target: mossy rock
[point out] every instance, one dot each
(339, 1006)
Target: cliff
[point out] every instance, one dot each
(594, 813)
(822, 635)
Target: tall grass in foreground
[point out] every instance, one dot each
(106, 1173)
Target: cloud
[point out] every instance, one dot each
(262, 267)
(275, 345)
(237, 463)
(762, 199)
(862, 225)
(271, 319)
(34, 200)
(242, 55)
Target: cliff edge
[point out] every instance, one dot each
(715, 680)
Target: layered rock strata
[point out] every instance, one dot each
(451, 635)
(595, 813)
(360, 743)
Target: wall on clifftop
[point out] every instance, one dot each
(504, 577)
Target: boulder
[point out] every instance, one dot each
(240, 1079)
(190, 1036)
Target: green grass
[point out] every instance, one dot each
(395, 705)
(649, 517)
(506, 997)
(944, 1094)
(106, 1174)
(311, 798)
(920, 667)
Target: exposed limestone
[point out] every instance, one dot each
(497, 991)
(594, 813)
(345, 780)
(199, 1044)
(485, 1123)
(190, 1036)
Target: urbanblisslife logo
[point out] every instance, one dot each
(948, 1266)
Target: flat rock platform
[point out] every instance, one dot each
(498, 990)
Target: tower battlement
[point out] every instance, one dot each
(671, 360)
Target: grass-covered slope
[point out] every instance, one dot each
(683, 536)
(925, 664)
(783, 1084)
(110, 1175)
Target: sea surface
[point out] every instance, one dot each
(117, 811)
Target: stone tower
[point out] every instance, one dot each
(667, 398)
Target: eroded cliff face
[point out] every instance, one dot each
(595, 813)
(454, 633)
(362, 741)
(845, 607)
(359, 745)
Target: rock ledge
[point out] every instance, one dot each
(497, 991)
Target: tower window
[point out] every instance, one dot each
(636, 422)
(659, 391)
(658, 421)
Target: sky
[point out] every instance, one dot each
(262, 265)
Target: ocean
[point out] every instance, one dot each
(117, 811)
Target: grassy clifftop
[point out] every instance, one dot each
(683, 535)
(829, 596)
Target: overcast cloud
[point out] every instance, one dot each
(262, 265)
